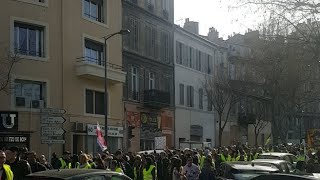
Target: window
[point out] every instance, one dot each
(165, 46)
(190, 96)
(93, 9)
(95, 102)
(94, 52)
(29, 39)
(191, 51)
(165, 5)
(150, 41)
(151, 80)
(150, 4)
(200, 98)
(181, 89)
(179, 52)
(135, 82)
(30, 94)
(134, 26)
(198, 59)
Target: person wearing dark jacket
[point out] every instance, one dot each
(34, 164)
(20, 168)
(207, 172)
(55, 162)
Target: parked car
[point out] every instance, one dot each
(283, 177)
(282, 165)
(244, 170)
(77, 174)
(277, 155)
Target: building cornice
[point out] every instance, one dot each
(128, 4)
(199, 38)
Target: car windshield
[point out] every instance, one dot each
(40, 178)
(268, 157)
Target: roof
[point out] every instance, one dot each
(67, 173)
(249, 166)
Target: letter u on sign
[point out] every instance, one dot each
(9, 120)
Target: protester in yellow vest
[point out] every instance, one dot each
(225, 157)
(84, 164)
(5, 170)
(65, 161)
(115, 166)
(149, 172)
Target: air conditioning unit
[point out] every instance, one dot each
(20, 101)
(37, 104)
(80, 127)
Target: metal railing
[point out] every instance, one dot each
(100, 62)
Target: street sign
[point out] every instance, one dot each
(52, 141)
(52, 120)
(52, 131)
(52, 111)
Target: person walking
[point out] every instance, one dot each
(34, 164)
(190, 170)
(19, 167)
(5, 170)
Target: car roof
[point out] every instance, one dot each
(283, 177)
(273, 161)
(67, 173)
(244, 165)
(279, 154)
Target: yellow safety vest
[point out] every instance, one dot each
(64, 164)
(301, 158)
(202, 161)
(119, 170)
(8, 171)
(147, 175)
(87, 166)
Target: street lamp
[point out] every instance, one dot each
(121, 32)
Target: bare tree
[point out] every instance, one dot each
(261, 120)
(7, 63)
(222, 98)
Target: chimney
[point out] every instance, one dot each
(213, 34)
(191, 26)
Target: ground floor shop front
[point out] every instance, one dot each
(150, 128)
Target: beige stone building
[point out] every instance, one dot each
(61, 49)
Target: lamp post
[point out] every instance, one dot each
(121, 32)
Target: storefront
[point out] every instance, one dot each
(114, 141)
(9, 134)
(147, 126)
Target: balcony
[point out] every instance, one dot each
(94, 69)
(156, 98)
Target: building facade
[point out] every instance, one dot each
(195, 61)
(148, 60)
(61, 66)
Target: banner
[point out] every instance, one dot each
(100, 139)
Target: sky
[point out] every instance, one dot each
(217, 14)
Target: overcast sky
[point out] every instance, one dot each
(215, 13)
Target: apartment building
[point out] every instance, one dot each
(61, 50)
(195, 60)
(251, 114)
(148, 59)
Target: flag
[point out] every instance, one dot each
(100, 139)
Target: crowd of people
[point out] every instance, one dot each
(186, 164)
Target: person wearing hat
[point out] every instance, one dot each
(5, 170)
(65, 161)
(19, 167)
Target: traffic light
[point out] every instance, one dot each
(130, 134)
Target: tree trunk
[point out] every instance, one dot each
(220, 130)
(256, 138)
